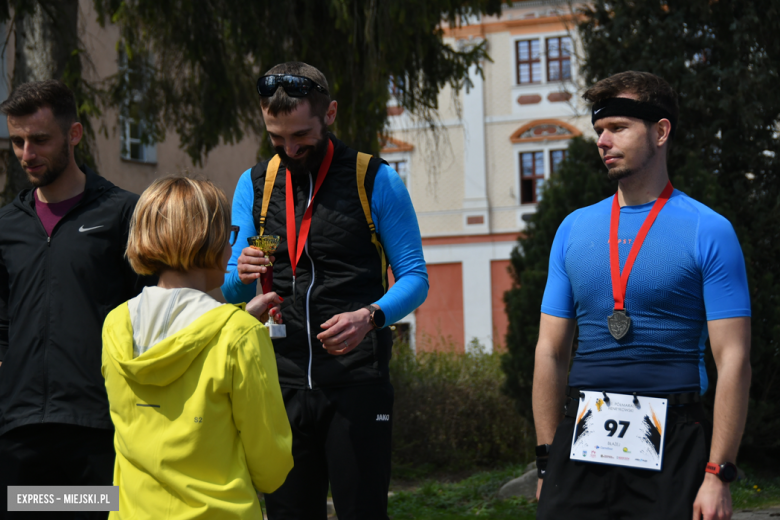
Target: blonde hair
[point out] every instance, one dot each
(179, 224)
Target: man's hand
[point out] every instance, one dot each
(259, 307)
(344, 331)
(713, 501)
(251, 264)
(539, 488)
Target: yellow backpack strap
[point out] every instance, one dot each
(362, 167)
(270, 177)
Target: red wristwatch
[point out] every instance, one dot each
(725, 472)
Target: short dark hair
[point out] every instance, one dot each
(648, 88)
(28, 98)
(281, 103)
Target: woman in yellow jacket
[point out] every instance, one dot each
(192, 383)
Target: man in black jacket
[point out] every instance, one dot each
(342, 216)
(62, 269)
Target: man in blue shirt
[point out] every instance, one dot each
(648, 276)
(342, 218)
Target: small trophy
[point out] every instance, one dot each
(265, 243)
(268, 244)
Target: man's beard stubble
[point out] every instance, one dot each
(53, 172)
(300, 168)
(616, 174)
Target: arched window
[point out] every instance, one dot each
(539, 146)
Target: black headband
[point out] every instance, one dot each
(620, 106)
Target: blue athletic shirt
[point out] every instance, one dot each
(689, 270)
(396, 225)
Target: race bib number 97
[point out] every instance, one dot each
(621, 430)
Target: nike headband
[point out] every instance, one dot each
(626, 107)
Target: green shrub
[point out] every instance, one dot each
(450, 412)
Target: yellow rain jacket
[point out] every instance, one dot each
(199, 417)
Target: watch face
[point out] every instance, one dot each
(728, 472)
(379, 318)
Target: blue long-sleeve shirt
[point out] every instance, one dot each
(398, 230)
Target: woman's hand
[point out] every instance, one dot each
(263, 305)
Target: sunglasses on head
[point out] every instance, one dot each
(295, 86)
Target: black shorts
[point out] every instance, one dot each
(585, 491)
(341, 437)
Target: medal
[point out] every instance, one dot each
(619, 323)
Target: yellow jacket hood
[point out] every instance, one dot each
(171, 357)
(194, 397)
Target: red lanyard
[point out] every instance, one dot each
(295, 253)
(619, 282)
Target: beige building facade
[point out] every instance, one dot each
(498, 142)
(471, 181)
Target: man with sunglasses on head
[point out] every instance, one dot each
(647, 276)
(343, 217)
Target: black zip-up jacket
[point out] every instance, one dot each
(340, 271)
(54, 295)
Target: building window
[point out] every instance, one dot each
(556, 157)
(131, 141)
(559, 58)
(529, 65)
(531, 177)
(132, 146)
(136, 142)
(402, 167)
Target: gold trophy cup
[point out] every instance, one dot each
(265, 243)
(268, 244)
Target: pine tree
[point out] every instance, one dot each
(723, 59)
(580, 181)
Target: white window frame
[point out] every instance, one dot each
(397, 157)
(148, 151)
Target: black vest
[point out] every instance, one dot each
(339, 271)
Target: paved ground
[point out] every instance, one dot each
(757, 514)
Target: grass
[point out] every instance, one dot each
(473, 496)
(755, 492)
(477, 496)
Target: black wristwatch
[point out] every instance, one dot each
(377, 316)
(725, 472)
(543, 450)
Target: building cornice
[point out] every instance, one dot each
(520, 26)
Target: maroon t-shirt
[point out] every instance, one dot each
(51, 213)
